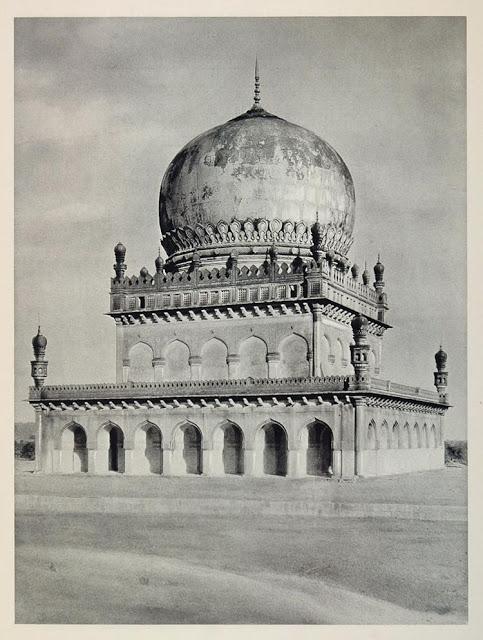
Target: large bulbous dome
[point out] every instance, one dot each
(257, 179)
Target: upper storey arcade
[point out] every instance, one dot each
(273, 281)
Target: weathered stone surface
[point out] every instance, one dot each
(257, 166)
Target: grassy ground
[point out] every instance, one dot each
(100, 568)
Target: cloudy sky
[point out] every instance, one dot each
(102, 105)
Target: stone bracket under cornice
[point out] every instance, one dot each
(329, 309)
(296, 402)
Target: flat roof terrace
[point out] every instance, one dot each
(262, 389)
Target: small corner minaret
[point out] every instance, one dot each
(39, 364)
(120, 266)
(379, 275)
(316, 249)
(379, 287)
(159, 263)
(441, 375)
(360, 353)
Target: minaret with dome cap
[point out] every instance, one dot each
(39, 364)
(441, 374)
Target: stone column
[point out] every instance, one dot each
(337, 463)
(233, 361)
(195, 365)
(119, 354)
(207, 462)
(251, 463)
(317, 339)
(56, 461)
(38, 439)
(294, 467)
(158, 366)
(91, 460)
(66, 457)
(273, 360)
(358, 435)
(217, 466)
(167, 462)
(129, 462)
(178, 464)
(102, 462)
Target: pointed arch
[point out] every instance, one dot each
(371, 437)
(177, 361)
(228, 446)
(294, 351)
(148, 448)
(214, 365)
(187, 447)
(396, 436)
(319, 440)
(253, 358)
(141, 362)
(416, 437)
(433, 439)
(372, 361)
(110, 448)
(405, 441)
(339, 353)
(384, 438)
(325, 352)
(272, 436)
(424, 436)
(73, 446)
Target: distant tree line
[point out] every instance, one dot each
(25, 449)
(456, 451)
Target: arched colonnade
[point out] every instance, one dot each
(224, 451)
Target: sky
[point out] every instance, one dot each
(102, 105)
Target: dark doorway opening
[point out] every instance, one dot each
(319, 450)
(116, 450)
(275, 450)
(233, 450)
(192, 449)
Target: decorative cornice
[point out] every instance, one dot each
(285, 390)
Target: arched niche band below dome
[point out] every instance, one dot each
(252, 236)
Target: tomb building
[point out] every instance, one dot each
(254, 347)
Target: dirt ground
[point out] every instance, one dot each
(446, 486)
(105, 568)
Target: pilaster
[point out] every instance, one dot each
(158, 366)
(195, 365)
(359, 423)
(38, 439)
(125, 369)
(273, 360)
(316, 339)
(233, 361)
(119, 353)
(91, 460)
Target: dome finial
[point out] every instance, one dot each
(256, 95)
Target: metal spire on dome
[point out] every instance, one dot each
(256, 94)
